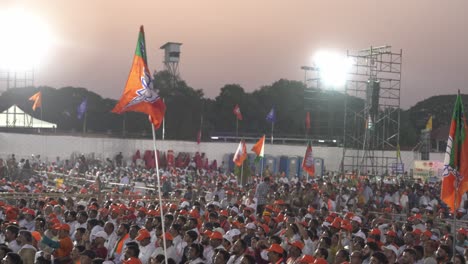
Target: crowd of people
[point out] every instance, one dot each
(206, 216)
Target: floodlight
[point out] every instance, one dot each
(332, 67)
(25, 39)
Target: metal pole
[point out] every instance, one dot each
(164, 127)
(84, 123)
(242, 174)
(159, 192)
(237, 127)
(272, 126)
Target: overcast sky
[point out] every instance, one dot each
(250, 42)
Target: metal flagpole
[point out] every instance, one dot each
(164, 130)
(84, 122)
(272, 126)
(455, 209)
(159, 192)
(237, 127)
(242, 174)
(261, 167)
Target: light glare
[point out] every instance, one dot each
(25, 40)
(333, 68)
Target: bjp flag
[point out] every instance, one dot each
(138, 95)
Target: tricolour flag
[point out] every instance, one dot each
(237, 112)
(241, 154)
(138, 95)
(307, 121)
(37, 99)
(455, 174)
(271, 116)
(259, 148)
(308, 162)
(429, 124)
(81, 110)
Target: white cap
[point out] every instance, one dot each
(235, 209)
(308, 216)
(392, 248)
(219, 229)
(357, 219)
(360, 234)
(429, 208)
(233, 232)
(228, 237)
(185, 204)
(102, 234)
(415, 210)
(250, 226)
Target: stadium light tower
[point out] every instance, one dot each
(325, 81)
(25, 41)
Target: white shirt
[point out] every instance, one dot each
(110, 243)
(14, 246)
(171, 252)
(145, 252)
(235, 259)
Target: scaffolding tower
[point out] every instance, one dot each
(10, 79)
(371, 133)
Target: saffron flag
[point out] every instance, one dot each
(259, 148)
(429, 124)
(455, 174)
(138, 95)
(271, 116)
(37, 99)
(237, 112)
(241, 154)
(307, 121)
(308, 162)
(81, 110)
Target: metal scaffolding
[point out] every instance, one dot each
(371, 131)
(10, 79)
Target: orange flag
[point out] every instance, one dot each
(455, 174)
(241, 154)
(138, 95)
(308, 161)
(37, 99)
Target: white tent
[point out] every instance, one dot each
(15, 117)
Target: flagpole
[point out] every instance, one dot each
(457, 185)
(84, 122)
(261, 168)
(242, 174)
(159, 192)
(237, 127)
(164, 129)
(272, 126)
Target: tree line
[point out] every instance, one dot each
(189, 111)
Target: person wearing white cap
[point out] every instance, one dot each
(97, 244)
(250, 233)
(391, 252)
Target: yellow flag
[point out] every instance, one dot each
(429, 124)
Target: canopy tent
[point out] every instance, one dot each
(17, 118)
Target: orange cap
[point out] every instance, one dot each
(142, 234)
(276, 248)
